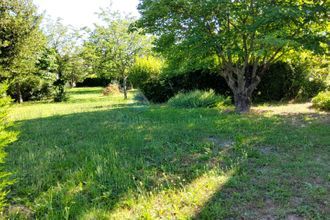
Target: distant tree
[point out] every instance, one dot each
(65, 42)
(75, 69)
(21, 41)
(113, 48)
(244, 37)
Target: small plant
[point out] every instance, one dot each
(59, 91)
(198, 99)
(112, 88)
(322, 101)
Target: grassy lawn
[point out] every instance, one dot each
(97, 157)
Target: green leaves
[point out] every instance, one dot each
(242, 27)
(112, 48)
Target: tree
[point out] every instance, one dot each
(21, 41)
(75, 69)
(244, 36)
(115, 48)
(65, 42)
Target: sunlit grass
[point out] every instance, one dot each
(97, 157)
(182, 203)
(79, 100)
(282, 109)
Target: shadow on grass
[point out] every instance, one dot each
(66, 166)
(80, 91)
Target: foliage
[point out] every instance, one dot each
(315, 75)
(157, 89)
(244, 37)
(161, 88)
(33, 88)
(284, 81)
(21, 41)
(100, 157)
(94, 82)
(75, 70)
(322, 101)
(59, 91)
(288, 81)
(198, 99)
(145, 68)
(112, 48)
(5, 138)
(68, 65)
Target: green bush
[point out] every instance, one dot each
(198, 99)
(94, 82)
(322, 101)
(163, 87)
(157, 90)
(32, 88)
(5, 138)
(144, 69)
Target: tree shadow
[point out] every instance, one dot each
(284, 175)
(65, 165)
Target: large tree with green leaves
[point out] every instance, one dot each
(21, 41)
(113, 48)
(244, 36)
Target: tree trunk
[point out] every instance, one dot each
(242, 83)
(72, 84)
(125, 87)
(19, 93)
(242, 102)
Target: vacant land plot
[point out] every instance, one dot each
(97, 157)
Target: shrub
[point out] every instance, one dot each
(157, 90)
(144, 69)
(5, 138)
(111, 89)
(283, 81)
(59, 91)
(94, 82)
(322, 101)
(160, 89)
(32, 88)
(198, 99)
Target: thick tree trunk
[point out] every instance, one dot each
(242, 102)
(125, 87)
(19, 93)
(242, 82)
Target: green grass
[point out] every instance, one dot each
(97, 157)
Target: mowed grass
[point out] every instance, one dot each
(97, 157)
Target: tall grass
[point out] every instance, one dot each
(198, 99)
